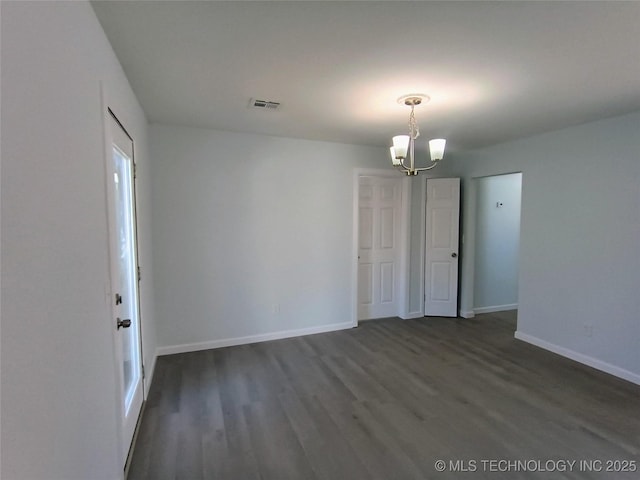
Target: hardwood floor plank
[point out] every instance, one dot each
(278, 451)
(329, 454)
(375, 449)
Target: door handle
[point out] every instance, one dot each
(454, 255)
(126, 323)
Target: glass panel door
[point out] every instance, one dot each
(126, 258)
(124, 278)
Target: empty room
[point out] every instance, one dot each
(319, 240)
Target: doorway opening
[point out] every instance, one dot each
(497, 243)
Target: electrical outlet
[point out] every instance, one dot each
(276, 308)
(588, 330)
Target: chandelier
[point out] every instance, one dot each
(405, 144)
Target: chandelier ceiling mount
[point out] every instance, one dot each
(413, 99)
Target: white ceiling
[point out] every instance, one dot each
(494, 70)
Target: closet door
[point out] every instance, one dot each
(441, 258)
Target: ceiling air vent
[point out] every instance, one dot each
(264, 104)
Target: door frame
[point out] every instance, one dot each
(468, 244)
(405, 210)
(107, 112)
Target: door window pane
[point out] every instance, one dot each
(126, 260)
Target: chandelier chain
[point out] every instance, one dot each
(414, 130)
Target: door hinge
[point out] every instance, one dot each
(135, 170)
(143, 374)
(139, 273)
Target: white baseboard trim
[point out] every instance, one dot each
(412, 315)
(263, 337)
(467, 314)
(580, 358)
(148, 374)
(496, 308)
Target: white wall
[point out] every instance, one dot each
(252, 234)
(580, 231)
(58, 373)
(497, 242)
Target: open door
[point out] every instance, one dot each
(441, 249)
(124, 277)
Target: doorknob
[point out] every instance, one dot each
(126, 323)
(454, 255)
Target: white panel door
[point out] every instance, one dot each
(379, 249)
(124, 278)
(441, 258)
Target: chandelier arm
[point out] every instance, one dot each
(403, 165)
(427, 168)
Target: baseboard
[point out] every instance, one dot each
(412, 315)
(467, 313)
(580, 358)
(496, 308)
(148, 374)
(264, 337)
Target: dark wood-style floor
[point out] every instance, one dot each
(386, 401)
